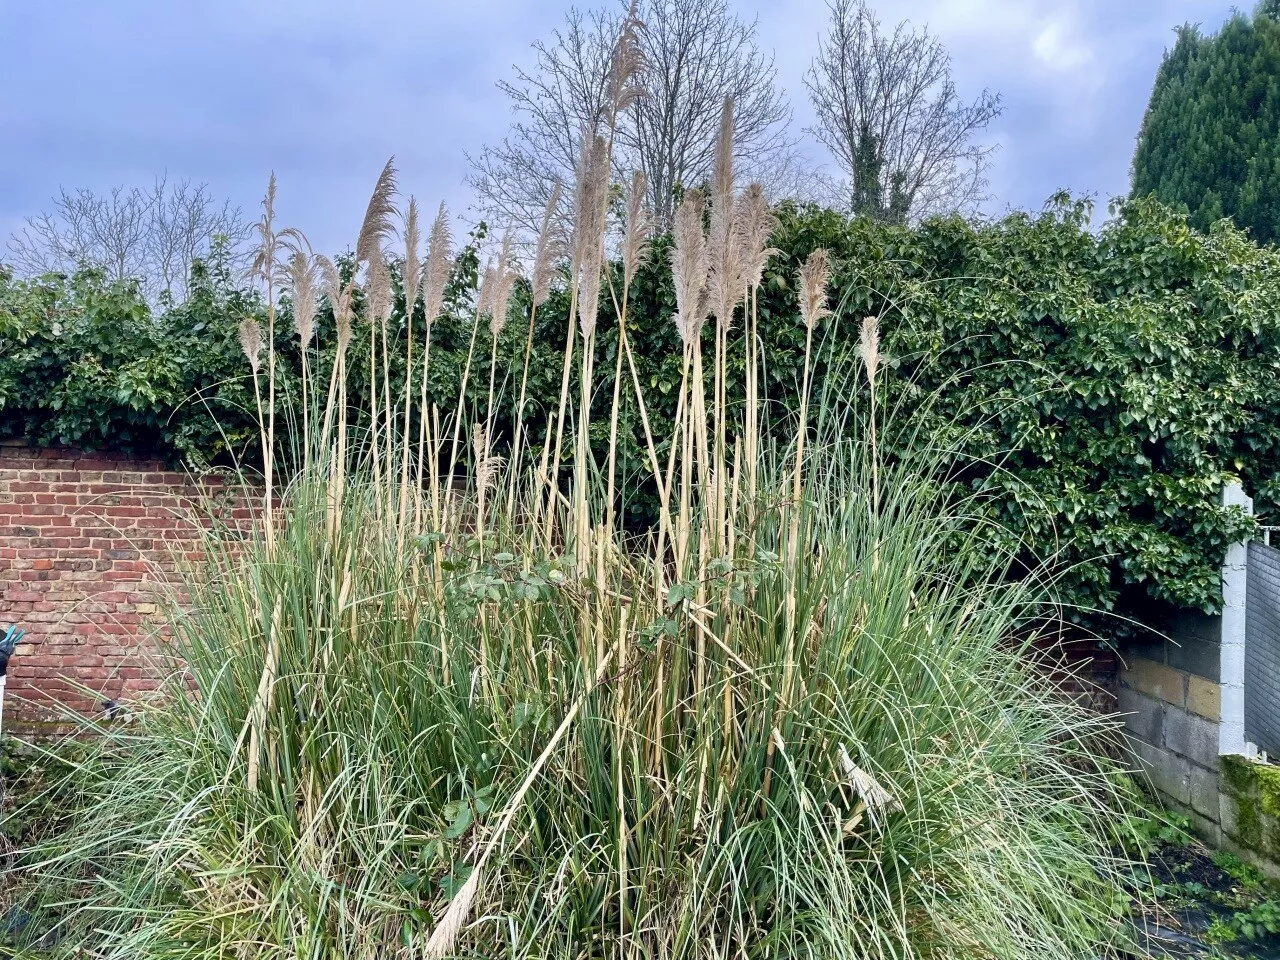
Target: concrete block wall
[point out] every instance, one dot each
(1172, 719)
(88, 542)
(1182, 696)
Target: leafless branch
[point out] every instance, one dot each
(889, 112)
(150, 235)
(695, 52)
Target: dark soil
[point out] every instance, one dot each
(1207, 904)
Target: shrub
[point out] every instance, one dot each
(1108, 384)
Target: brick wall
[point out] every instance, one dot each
(87, 543)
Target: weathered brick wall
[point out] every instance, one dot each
(87, 543)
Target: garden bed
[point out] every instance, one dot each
(1208, 904)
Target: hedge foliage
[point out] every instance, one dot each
(1106, 384)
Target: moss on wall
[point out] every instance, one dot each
(1255, 790)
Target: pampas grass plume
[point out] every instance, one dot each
(549, 249)
(435, 274)
(251, 341)
(813, 279)
(689, 265)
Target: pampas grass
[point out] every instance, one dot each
(415, 718)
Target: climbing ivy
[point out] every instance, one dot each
(1098, 386)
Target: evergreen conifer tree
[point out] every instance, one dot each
(1210, 141)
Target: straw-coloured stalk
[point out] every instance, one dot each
(635, 251)
(725, 283)
(338, 294)
(754, 223)
(502, 283)
(267, 267)
(812, 281)
(410, 276)
(689, 262)
(550, 249)
(303, 289)
(378, 304)
(869, 351)
(251, 345)
(591, 189)
(444, 937)
(725, 290)
(591, 227)
(435, 276)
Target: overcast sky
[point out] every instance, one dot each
(105, 92)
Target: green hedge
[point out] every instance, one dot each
(1106, 384)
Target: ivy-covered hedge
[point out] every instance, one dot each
(1106, 384)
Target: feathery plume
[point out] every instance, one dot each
(626, 64)
(813, 278)
(589, 229)
(869, 347)
(723, 170)
(251, 342)
(550, 248)
(487, 466)
(754, 224)
(264, 259)
(445, 935)
(725, 285)
(504, 280)
(412, 262)
(302, 286)
(875, 797)
(339, 295)
(635, 242)
(689, 266)
(436, 272)
(342, 324)
(377, 225)
(266, 265)
(488, 283)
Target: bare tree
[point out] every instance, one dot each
(889, 111)
(695, 53)
(153, 236)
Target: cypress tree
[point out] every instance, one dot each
(1210, 140)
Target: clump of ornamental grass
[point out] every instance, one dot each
(350, 755)
(435, 703)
